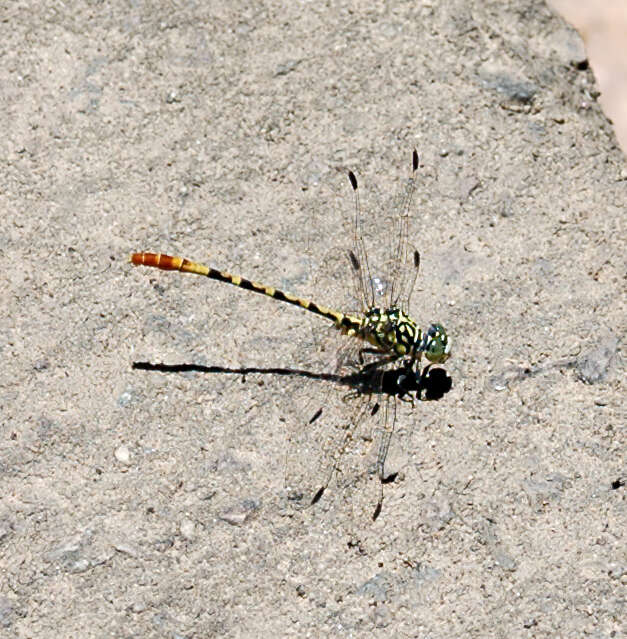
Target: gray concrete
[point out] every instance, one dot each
(144, 504)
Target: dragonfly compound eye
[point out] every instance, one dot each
(437, 345)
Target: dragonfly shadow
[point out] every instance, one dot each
(375, 384)
(431, 384)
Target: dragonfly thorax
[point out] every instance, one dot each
(391, 330)
(394, 332)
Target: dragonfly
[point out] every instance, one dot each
(386, 347)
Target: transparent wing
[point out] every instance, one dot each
(364, 283)
(332, 448)
(404, 259)
(383, 260)
(330, 427)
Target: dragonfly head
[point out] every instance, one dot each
(436, 344)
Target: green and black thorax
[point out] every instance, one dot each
(395, 333)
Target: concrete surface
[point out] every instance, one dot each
(145, 504)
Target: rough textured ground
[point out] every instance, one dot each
(141, 504)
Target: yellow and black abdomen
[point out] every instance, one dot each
(345, 323)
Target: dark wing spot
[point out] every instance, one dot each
(354, 261)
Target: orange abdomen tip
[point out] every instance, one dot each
(158, 260)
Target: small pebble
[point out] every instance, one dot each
(122, 454)
(187, 529)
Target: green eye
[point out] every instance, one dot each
(436, 344)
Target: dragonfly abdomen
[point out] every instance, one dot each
(165, 262)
